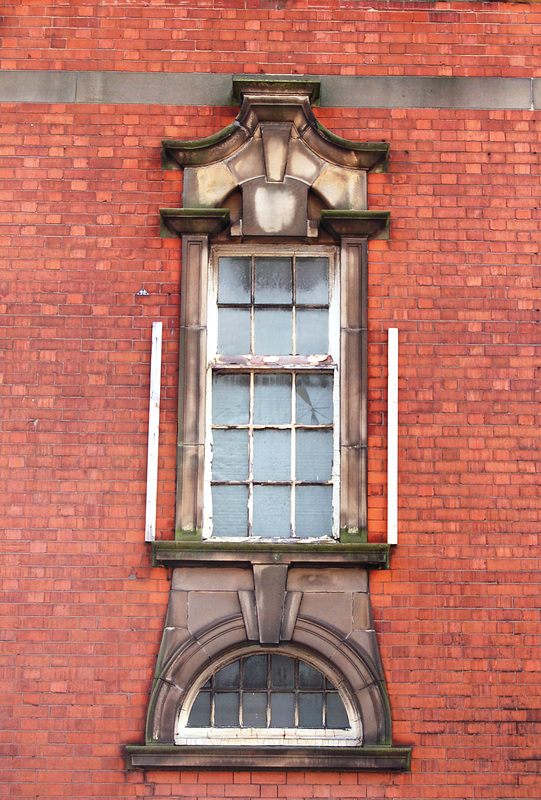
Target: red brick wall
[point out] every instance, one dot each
(458, 613)
(346, 37)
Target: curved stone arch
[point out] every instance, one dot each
(361, 674)
(346, 664)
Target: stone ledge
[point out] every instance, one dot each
(353, 759)
(321, 554)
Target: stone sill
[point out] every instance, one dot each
(352, 759)
(332, 554)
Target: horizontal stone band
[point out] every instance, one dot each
(209, 89)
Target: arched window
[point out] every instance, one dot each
(266, 698)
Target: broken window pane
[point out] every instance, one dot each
(314, 399)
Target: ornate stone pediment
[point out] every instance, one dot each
(276, 168)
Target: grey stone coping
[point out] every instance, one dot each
(372, 555)
(370, 758)
(210, 89)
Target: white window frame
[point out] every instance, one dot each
(333, 255)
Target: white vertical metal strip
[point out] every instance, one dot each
(392, 436)
(153, 431)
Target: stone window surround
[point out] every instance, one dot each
(266, 609)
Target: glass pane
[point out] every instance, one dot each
(313, 514)
(312, 331)
(283, 710)
(313, 280)
(230, 399)
(254, 672)
(229, 455)
(273, 331)
(200, 711)
(226, 710)
(234, 331)
(313, 455)
(234, 280)
(272, 399)
(273, 280)
(314, 399)
(230, 511)
(336, 713)
(282, 672)
(254, 709)
(272, 455)
(227, 677)
(272, 512)
(309, 678)
(310, 710)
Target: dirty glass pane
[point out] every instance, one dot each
(254, 672)
(336, 713)
(282, 710)
(272, 399)
(226, 710)
(234, 331)
(200, 711)
(230, 510)
(234, 279)
(282, 672)
(229, 455)
(271, 512)
(272, 455)
(273, 283)
(314, 399)
(227, 677)
(313, 280)
(314, 455)
(230, 399)
(312, 331)
(273, 331)
(313, 513)
(309, 678)
(310, 710)
(254, 709)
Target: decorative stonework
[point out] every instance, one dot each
(278, 157)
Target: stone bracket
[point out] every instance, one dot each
(270, 612)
